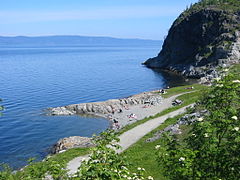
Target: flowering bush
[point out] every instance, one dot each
(105, 164)
(211, 151)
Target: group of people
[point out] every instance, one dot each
(115, 124)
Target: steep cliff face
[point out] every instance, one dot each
(199, 41)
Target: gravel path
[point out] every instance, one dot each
(74, 164)
(133, 135)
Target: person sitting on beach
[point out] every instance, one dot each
(162, 91)
(190, 87)
(146, 106)
(126, 107)
(116, 124)
(132, 116)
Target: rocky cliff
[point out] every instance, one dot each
(202, 40)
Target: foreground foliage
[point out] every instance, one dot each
(105, 164)
(211, 151)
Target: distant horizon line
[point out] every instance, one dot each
(97, 36)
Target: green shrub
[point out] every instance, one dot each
(104, 163)
(211, 151)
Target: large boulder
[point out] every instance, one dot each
(71, 142)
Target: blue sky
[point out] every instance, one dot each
(147, 19)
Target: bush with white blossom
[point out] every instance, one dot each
(105, 164)
(211, 151)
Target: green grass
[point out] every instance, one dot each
(70, 154)
(142, 154)
(183, 89)
(37, 170)
(235, 70)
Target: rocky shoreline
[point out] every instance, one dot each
(109, 107)
(124, 111)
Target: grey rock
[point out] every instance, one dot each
(89, 107)
(176, 102)
(60, 111)
(175, 128)
(71, 142)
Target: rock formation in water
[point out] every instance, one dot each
(108, 107)
(202, 40)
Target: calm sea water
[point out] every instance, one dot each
(33, 79)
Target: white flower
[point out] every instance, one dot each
(157, 146)
(200, 119)
(206, 135)
(236, 128)
(236, 81)
(235, 117)
(143, 169)
(139, 168)
(194, 135)
(226, 70)
(150, 178)
(96, 161)
(232, 168)
(217, 79)
(219, 85)
(123, 167)
(129, 178)
(125, 176)
(181, 159)
(115, 171)
(134, 174)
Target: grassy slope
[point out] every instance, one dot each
(142, 154)
(62, 159)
